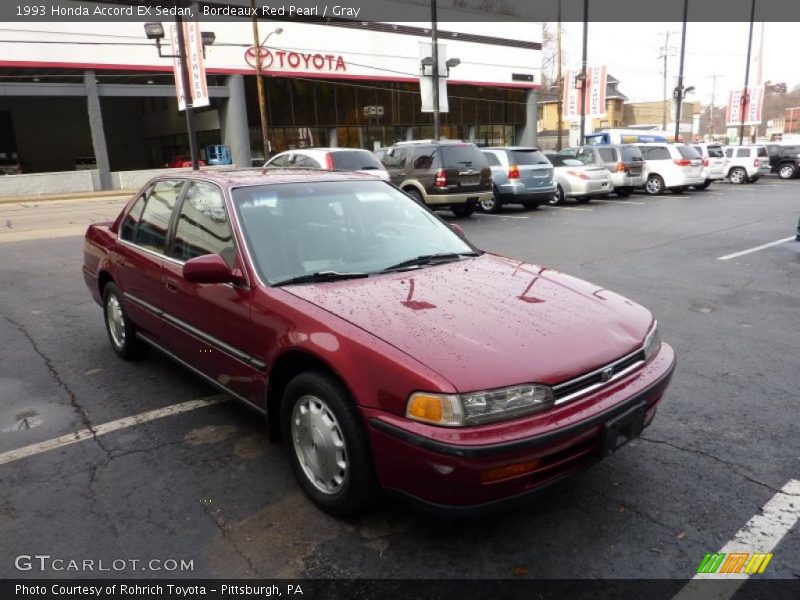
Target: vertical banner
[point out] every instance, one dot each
(753, 103)
(193, 46)
(595, 98)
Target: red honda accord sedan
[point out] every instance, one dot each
(385, 349)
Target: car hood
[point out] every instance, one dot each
(489, 321)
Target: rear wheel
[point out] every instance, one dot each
(738, 175)
(121, 331)
(558, 196)
(415, 195)
(463, 210)
(787, 171)
(327, 445)
(654, 185)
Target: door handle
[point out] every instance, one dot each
(171, 285)
(403, 173)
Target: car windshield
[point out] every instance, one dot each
(463, 156)
(347, 228)
(688, 152)
(355, 160)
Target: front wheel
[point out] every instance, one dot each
(787, 171)
(654, 185)
(327, 445)
(558, 196)
(738, 175)
(121, 332)
(463, 210)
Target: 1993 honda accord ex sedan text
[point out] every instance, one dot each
(383, 348)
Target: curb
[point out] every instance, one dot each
(70, 196)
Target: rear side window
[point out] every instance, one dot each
(280, 161)
(687, 152)
(729, 152)
(762, 151)
(631, 154)
(657, 153)
(426, 157)
(154, 224)
(715, 151)
(131, 220)
(742, 152)
(395, 157)
(527, 157)
(355, 160)
(203, 226)
(462, 156)
(492, 159)
(608, 154)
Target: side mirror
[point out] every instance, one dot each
(459, 230)
(209, 268)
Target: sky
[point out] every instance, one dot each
(630, 51)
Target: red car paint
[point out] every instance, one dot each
(484, 323)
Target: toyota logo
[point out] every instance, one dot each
(266, 57)
(606, 374)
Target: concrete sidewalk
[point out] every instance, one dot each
(110, 194)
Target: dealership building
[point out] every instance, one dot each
(97, 96)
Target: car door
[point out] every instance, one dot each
(140, 253)
(211, 324)
(395, 162)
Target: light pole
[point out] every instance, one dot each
(679, 91)
(262, 97)
(435, 52)
(155, 31)
(582, 76)
(744, 97)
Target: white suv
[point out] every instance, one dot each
(714, 163)
(330, 159)
(746, 164)
(673, 167)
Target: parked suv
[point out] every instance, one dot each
(520, 175)
(714, 163)
(441, 174)
(784, 160)
(746, 164)
(673, 167)
(624, 162)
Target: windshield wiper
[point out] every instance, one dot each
(429, 259)
(321, 276)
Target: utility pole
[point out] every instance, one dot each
(744, 96)
(435, 51)
(583, 70)
(714, 78)
(679, 93)
(262, 105)
(559, 86)
(665, 55)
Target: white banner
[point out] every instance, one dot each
(193, 45)
(752, 107)
(595, 99)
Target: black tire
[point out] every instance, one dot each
(737, 175)
(123, 338)
(753, 179)
(583, 199)
(788, 171)
(702, 186)
(531, 204)
(359, 489)
(623, 192)
(415, 195)
(558, 197)
(654, 186)
(463, 210)
(491, 205)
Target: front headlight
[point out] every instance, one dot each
(477, 408)
(652, 343)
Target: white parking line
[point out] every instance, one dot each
(86, 434)
(761, 534)
(569, 208)
(619, 201)
(502, 216)
(756, 249)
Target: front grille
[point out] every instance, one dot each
(597, 378)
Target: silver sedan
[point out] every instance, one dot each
(579, 181)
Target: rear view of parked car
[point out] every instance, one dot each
(714, 163)
(673, 167)
(519, 176)
(746, 164)
(624, 162)
(579, 181)
(441, 174)
(330, 159)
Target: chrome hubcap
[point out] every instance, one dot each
(319, 444)
(115, 320)
(787, 172)
(487, 204)
(737, 176)
(653, 186)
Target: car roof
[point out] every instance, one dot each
(434, 142)
(231, 178)
(521, 148)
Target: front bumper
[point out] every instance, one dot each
(443, 468)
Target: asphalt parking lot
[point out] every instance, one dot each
(206, 486)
